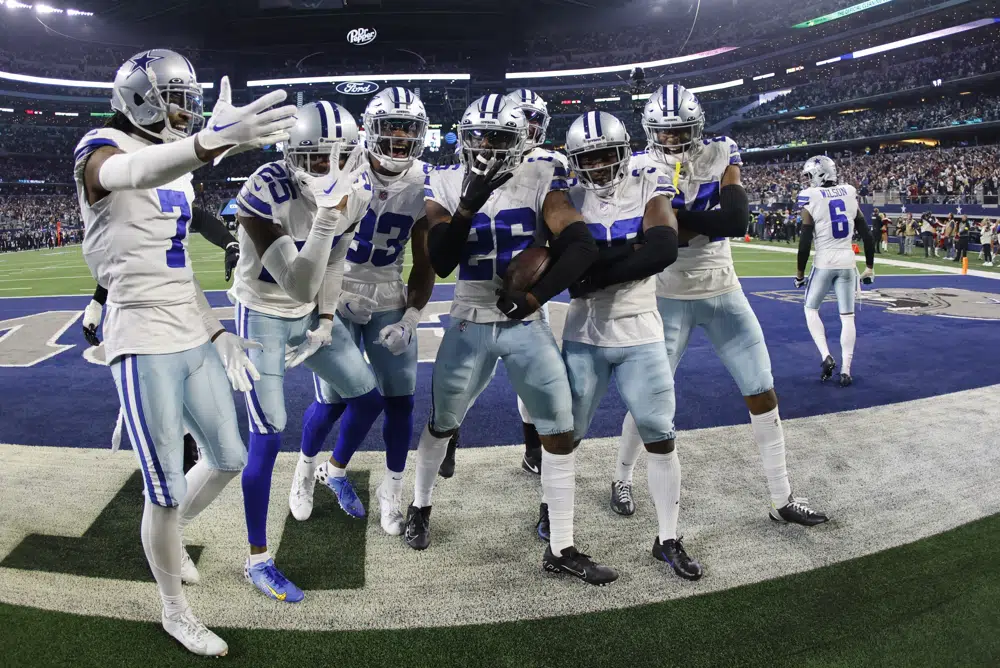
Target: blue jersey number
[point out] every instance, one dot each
(395, 226)
(483, 259)
(170, 201)
(838, 216)
(621, 232)
(706, 199)
(278, 182)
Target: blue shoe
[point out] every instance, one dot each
(346, 496)
(269, 581)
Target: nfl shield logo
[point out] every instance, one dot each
(384, 195)
(463, 325)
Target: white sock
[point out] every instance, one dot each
(664, 475)
(259, 558)
(306, 466)
(817, 331)
(204, 484)
(161, 541)
(174, 605)
(335, 471)
(523, 410)
(559, 490)
(770, 439)
(629, 446)
(848, 335)
(431, 451)
(303, 459)
(393, 482)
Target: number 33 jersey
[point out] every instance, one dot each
(833, 211)
(508, 223)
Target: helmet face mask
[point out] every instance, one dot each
(395, 127)
(159, 94)
(495, 128)
(598, 148)
(535, 111)
(673, 121)
(322, 129)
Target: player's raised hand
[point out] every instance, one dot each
(315, 339)
(91, 320)
(233, 126)
(480, 181)
(240, 370)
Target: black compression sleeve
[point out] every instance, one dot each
(658, 251)
(728, 221)
(805, 244)
(866, 238)
(610, 255)
(211, 228)
(445, 243)
(100, 294)
(575, 251)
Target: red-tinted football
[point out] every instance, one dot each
(527, 268)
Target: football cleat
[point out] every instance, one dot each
(418, 527)
(341, 486)
(797, 512)
(542, 527)
(846, 380)
(392, 516)
(189, 572)
(621, 497)
(829, 364)
(300, 498)
(672, 552)
(447, 468)
(188, 630)
(578, 564)
(271, 582)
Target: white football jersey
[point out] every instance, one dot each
(272, 194)
(374, 266)
(508, 223)
(704, 266)
(135, 244)
(833, 211)
(625, 314)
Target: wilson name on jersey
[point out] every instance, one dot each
(510, 221)
(624, 314)
(833, 211)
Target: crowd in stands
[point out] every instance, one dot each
(28, 221)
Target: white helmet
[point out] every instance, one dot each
(395, 127)
(494, 127)
(820, 169)
(154, 84)
(673, 120)
(535, 111)
(317, 125)
(597, 145)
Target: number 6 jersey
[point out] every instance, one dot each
(833, 211)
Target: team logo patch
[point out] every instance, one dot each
(944, 302)
(384, 195)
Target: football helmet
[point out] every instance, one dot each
(598, 149)
(159, 85)
(494, 127)
(395, 126)
(317, 126)
(535, 111)
(819, 169)
(673, 120)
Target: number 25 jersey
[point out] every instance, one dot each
(833, 211)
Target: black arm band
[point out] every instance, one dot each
(211, 228)
(805, 244)
(658, 251)
(100, 294)
(445, 244)
(866, 239)
(575, 251)
(729, 221)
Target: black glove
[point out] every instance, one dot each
(90, 333)
(480, 181)
(514, 304)
(232, 258)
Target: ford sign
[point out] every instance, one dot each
(357, 87)
(361, 36)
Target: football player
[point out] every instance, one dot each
(612, 326)
(480, 217)
(297, 217)
(830, 213)
(701, 289)
(379, 312)
(168, 353)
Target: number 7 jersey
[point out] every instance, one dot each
(833, 211)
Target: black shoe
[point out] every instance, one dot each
(542, 527)
(845, 379)
(191, 453)
(418, 530)
(447, 468)
(532, 461)
(829, 364)
(797, 512)
(621, 497)
(672, 552)
(580, 565)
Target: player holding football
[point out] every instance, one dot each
(701, 288)
(169, 354)
(380, 314)
(830, 213)
(480, 218)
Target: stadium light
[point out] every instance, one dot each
(45, 9)
(48, 81)
(619, 68)
(763, 76)
(846, 11)
(358, 77)
(718, 86)
(7, 110)
(14, 4)
(607, 99)
(66, 113)
(910, 41)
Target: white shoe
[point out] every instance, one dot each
(300, 499)
(189, 572)
(987, 264)
(190, 632)
(389, 507)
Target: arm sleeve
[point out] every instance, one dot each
(446, 241)
(658, 251)
(150, 166)
(211, 228)
(208, 319)
(866, 237)
(575, 251)
(333, 279)
(728, 221)
(100, 294)
(805, 244)
(300, 273)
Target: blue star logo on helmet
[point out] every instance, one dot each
(142, 61)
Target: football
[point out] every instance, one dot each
(527, 268)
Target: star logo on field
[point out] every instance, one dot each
(142, 61)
